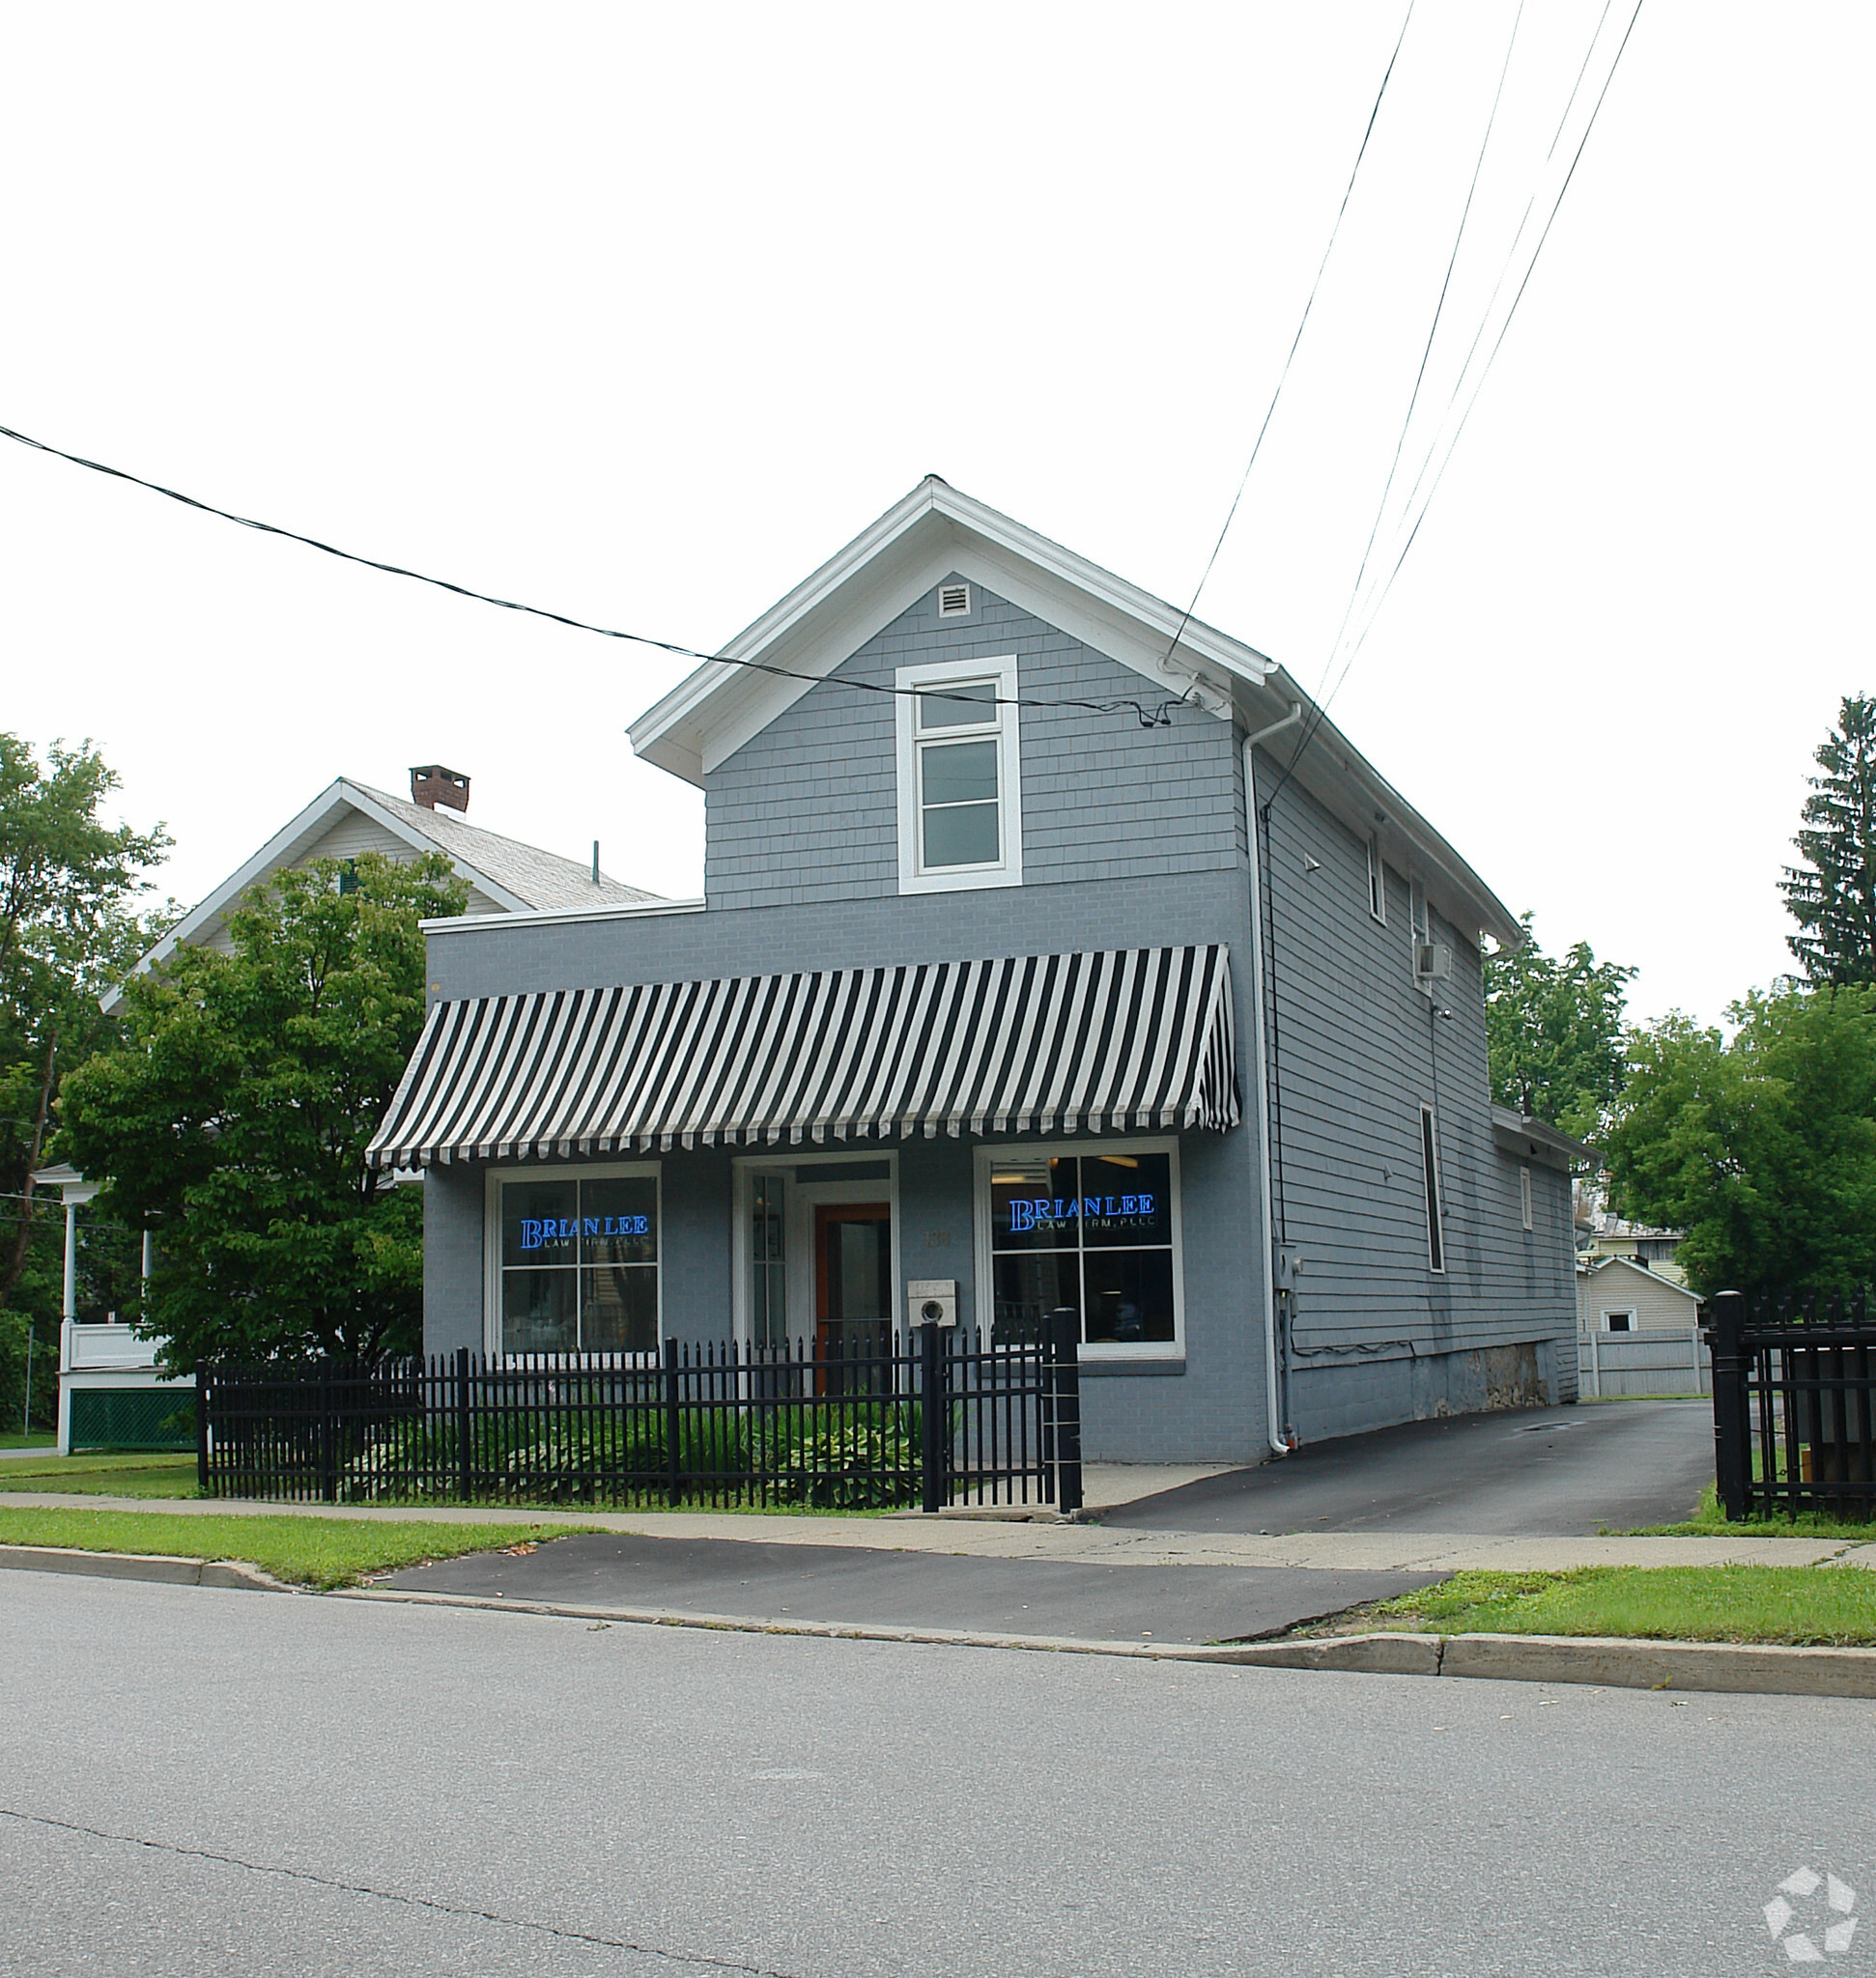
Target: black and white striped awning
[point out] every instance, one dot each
(1136, 1037)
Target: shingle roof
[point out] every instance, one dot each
(543, 879)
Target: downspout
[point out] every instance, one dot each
(1260, 1026)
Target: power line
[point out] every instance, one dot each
(1432, 331)
(1158, 717)
(1269, 409)
(1320, 714)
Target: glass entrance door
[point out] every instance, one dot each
(853, 1280)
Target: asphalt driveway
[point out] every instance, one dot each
(1535, 1473)
(891, 1589)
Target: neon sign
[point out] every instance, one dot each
(1041, 1212)
(537, 1231)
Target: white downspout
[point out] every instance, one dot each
(1261, 1082)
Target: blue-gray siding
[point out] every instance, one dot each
(1132, 836)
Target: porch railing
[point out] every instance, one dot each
(932, 1418)
(1793, 1382)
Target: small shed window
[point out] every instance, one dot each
(1619, 1322)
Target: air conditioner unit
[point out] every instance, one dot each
(1432, 961)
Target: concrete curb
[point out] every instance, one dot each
(1610, 1663)
(161, 1567)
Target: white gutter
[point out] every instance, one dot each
(1274, 1433)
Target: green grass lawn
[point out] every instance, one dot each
(1814, 1605)
(118, 1476)
(37, 1438)
(310, 1552)
(1709, 1521)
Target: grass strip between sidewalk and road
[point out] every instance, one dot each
(1807, 1606)
(308, 1552)
(104, 1475)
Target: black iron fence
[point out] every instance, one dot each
(1793, 1382)
(932, 1418)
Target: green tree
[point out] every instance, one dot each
(1762, 1146)
(1554, 1035)
(233, 1115)
(68, 882)
(1831, 895)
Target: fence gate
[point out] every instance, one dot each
(1791, 1393)
(932, 1418)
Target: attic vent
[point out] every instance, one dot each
(954, 601)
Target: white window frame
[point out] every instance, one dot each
(557, 1171)
(1429, 1183)
(1524, 1196)
(998, 674)
(803, 1192)
(1377, 880)
(984, 1163)
(1627, 1312)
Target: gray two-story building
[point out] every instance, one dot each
(1034, 968)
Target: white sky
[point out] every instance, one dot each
(641, 313)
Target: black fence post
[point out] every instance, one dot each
(1064, 1384)
(934, 1420)
(328, 1479)
(1732, 1438)
(204, 1388)
(465, 1454)
(672, 1417)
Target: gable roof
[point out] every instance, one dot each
(936, 530)
(1625, 1263)
(518, 878)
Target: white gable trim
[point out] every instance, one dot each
(931, 532)
(291, 843)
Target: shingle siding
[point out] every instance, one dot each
(807, 811)
(1133, 836)
(1377, 1334)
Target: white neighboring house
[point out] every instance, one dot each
(1616, 1294)
(107, 1376)
(1638, 1331)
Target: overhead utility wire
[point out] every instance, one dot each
(1498, 288)
(1269, 409)
(1432, 331)
(1158, 717)
(1320, 713)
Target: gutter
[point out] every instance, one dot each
(1275, 1433)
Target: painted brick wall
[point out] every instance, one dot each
(807, 811)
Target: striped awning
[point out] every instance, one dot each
(1134, 1037)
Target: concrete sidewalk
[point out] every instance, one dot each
(1418, 1552)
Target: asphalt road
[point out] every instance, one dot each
(1536, 1473)
(1091, 1603)
(196, 1781)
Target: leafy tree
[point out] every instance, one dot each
(233, 1115)
(67, 929)
(1554, 1035)
(1762, 1148)
(1831, 895)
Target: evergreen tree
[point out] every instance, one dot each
(1831, 895)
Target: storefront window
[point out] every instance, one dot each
(1089, 1230)
(580, 1264)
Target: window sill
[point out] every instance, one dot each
(1107, 1370)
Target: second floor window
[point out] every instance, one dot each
(960, 816)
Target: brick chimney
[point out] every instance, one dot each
(433, 784)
